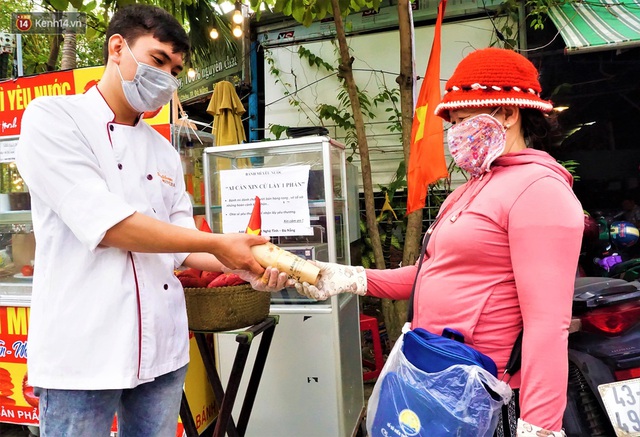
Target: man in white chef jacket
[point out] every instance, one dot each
(108, 330)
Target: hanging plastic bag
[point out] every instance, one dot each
(462, 400)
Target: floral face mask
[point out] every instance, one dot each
(476, 142)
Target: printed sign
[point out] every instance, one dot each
(18, 404)
(283, 199)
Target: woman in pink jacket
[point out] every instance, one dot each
(503, 253)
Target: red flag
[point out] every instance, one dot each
(255, 221)
(201, 223)
(426, 159)
(204, 226)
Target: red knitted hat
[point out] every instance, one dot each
(493, 77)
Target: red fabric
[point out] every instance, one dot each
(426, 159)
(493, 77)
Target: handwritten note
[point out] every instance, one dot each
(283, 199)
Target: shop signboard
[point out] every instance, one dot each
(204, 79)
(16, 94)
(18, 404)
(385, 18)
(17, 401)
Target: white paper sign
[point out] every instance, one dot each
(283, 199)
(8, 150)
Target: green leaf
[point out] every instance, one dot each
(59, 5)
(322, 7)
(297, 10)
(307, 18)
(277, 130)
(88, 7)
(282, 6)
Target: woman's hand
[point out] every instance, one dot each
(334, 279)
(271, 280)
(528, 430)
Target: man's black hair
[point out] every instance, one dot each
(138, 20)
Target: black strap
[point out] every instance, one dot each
(515, 359)
(423, 250)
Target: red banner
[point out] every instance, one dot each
(18, 404)
(16, 94)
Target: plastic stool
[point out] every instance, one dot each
(368, 323)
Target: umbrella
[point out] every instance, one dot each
(226, 108)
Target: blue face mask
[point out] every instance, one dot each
(150, 89)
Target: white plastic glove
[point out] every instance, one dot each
(270, 281)
(528, 430)
(335, 279)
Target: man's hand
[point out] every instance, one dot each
(235, 252)
(271, 281)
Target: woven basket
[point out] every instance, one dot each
(225, 308)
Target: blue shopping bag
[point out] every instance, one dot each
(433, 353)
(461, 400)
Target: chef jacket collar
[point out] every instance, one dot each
(102, 108)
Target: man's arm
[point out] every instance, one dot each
(140, 233)
(203, 261)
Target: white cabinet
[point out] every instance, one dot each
(312, 381)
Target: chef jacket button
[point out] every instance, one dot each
(111, 128)
(149, 177)
(119, 166)
(166, 287)
(154, 210)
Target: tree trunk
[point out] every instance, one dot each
(395, 312)
(52, 61)
(69, 53)
(54, 53)
(406, 80)
(346, 72)
(69, 60)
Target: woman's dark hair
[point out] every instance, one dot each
(536, 129)
(137, 20)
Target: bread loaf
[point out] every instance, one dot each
(270, 255)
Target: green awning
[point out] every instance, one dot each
(598, 25)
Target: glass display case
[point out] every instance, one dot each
(17, 250)
(312, 381)
(190, 144)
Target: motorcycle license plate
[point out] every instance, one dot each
(622, 402)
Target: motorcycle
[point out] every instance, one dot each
(609, 248)
(603, 395)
